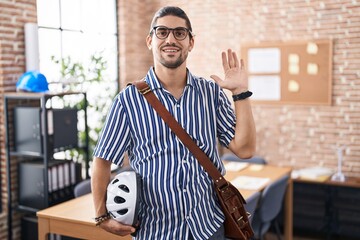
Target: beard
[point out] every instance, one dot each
(173, 63)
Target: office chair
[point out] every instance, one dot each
(82, 188)
(251, 204)
(233, 157)
(269, 207)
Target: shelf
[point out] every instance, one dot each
(328, 208)
(35, 131)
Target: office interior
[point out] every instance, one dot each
(307, 122)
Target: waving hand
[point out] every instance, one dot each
(235, 79)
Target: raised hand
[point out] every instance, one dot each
(236, 79)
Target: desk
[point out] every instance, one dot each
(74, 218)
(273, 173)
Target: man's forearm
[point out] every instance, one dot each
(244, 142)
(100, 179)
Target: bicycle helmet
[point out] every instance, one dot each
(123, 197)
(32, 81)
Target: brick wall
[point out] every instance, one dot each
(13, 15)
(291, 135)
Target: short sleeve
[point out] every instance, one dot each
(226, 119)
(114, 139)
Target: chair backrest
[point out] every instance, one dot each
(82, 188)
(233, 157)
(251, 204)
(271, 199)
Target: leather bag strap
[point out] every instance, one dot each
(204, 160)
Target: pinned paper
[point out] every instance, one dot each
(312, 68)
(293, 86)
(294, 69)
(312, 48)
(293, 64)
(293, 58)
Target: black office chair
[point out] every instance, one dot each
(82, 188)
(269, 207)
(233, 157)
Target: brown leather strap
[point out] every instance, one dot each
(204, 160)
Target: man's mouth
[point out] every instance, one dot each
(170, 50)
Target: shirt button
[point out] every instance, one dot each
(178, 105)
(185, 190)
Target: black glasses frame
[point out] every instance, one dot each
(171, 30)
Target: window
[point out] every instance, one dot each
(78, 30)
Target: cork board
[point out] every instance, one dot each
(290, 72)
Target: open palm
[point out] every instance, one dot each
(235, 79)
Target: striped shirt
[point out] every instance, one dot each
(178, 194)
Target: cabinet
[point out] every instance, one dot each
(38, 127)
(327, 209)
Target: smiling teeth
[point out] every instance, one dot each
(170, 50)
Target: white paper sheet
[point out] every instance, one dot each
(235, 166)
(264, 60)
(265, 87)
(249, 183)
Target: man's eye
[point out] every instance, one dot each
(161, 31)
(180, 33)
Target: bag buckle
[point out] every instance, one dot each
(222, 186)
(241, 222)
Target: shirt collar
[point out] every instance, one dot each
(154, 83)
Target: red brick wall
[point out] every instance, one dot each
(291, 135)
(13, 16)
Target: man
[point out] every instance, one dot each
(178, 200)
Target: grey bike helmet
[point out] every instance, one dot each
(123, 197)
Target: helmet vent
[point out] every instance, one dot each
(122, 211)
(115, 181)
(118, 199)
(124, 188)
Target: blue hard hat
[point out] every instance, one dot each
(32, 81)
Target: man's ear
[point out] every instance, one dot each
(191, 45)
(148, 41)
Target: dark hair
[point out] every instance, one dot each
(172, 11)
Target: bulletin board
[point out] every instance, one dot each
(290, 72)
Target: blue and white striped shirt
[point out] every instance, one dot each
(178, 194)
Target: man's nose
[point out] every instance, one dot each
(171, 38)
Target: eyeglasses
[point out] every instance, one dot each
(162, 32)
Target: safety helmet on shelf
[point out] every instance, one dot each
(123, 197)
(32, 81)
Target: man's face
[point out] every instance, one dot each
(170, 52)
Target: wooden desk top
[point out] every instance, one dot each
(81, 211)
(256, 170)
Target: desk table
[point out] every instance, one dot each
(273, 173)
(74, 218)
